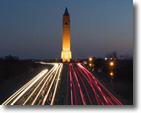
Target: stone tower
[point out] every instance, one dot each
(66, 52)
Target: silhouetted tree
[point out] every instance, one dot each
(112, 55)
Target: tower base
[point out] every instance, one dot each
(66, 56)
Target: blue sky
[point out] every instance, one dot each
(33, 28)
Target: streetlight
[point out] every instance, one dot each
(111, 74)
(106, 58)
(111, 63)
(90, 59)
(111, 67)
(90, 64)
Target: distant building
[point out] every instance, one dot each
(125, 57)
(66, 52)
(111, 56)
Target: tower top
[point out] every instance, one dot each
(66, 12)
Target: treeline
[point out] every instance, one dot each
(12, 66)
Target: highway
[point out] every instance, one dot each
(85, 89)
(40, 90)
(63, 84)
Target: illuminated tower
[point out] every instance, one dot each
(66, 52)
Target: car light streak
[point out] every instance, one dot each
(54, 93)
(71, 87)
(37, 86)
(74, 89)
(91, 87)
(95, 83)
(80, 90)
(26, 86)
(52, 71)
(43, 102)
(84, 86)
(33, 92)
(98, 85)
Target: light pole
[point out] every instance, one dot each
(112, 76)
(111, 67)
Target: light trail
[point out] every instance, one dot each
(74, 89)
(71, 86)
(44, 100)
(90, 83)
(80, 90)
(109, 101)
(84, 86)
(28, 87)
(98, 85)
(51, 72)
(54, 93)
(100, 100)
(33, 91)
(95, 83)
(37, 87)
(25, 86)
(17, 92)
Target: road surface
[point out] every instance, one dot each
(63, 84)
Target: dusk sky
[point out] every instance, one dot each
(33, 28)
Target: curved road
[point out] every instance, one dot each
(63, 84)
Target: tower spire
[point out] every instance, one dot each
(66, 13)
